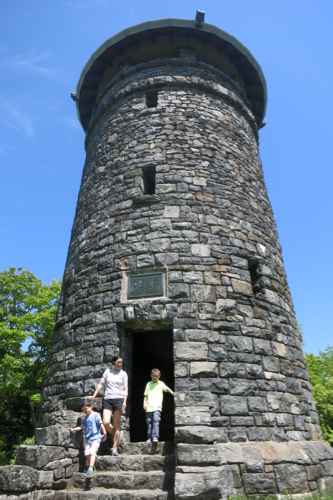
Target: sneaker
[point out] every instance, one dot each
(155, 440)
(90, 472)
(114, 452)
(148, 440)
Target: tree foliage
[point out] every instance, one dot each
(321, 372)
(27, 315)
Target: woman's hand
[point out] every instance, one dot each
(124, 406)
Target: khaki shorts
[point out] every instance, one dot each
(92, 448)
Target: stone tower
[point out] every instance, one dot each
(175, 262)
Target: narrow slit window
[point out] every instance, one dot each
(149, 182)
(254, 276)
(151, 99)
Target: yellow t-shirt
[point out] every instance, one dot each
(154, 393)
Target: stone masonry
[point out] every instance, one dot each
(175, 101)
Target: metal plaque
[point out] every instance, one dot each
(145, 285)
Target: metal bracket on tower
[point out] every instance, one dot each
(200, 18)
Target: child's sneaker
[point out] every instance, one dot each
(148, 440)
(114, 452)
(155, 440)
(90, 472)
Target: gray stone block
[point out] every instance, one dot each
(328, 466)
(220, 421)
(195, 398)
(271, 364)
(56, 435)
(203, 483)
(186, 384)
(258, 434)
(225, 307)
(38, 456)
(253, 460)
(259, 483)
(227, 370)
(42, 495)
(314, 472)
(214, 385)
(243, 387)
(202, 336)
(203, 369)
(198, 454)
(237, 434)
(197, 434)
(242, 344)
(190, 351)
(45, 479)
(233, 405)
(291, 478)
(18, 478)
(232, 452)
(242, 421)
(263, 347)
(217, 352)
(257, 403)
(192, 416)
(179, 290)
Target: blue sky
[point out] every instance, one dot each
(43, 49)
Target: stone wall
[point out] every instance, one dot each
(238, 354)
(245, 420)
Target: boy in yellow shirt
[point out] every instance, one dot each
(152, 404)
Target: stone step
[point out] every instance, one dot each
(104, 494)
(153, 480)
(162, 448)
(143, 463)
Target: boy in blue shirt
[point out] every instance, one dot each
(93, 425)
(152, 404)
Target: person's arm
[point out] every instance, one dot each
(100, 385)
(103, 431)
(76, 429)
(145, 396)
(167, 389)
(125, 388)
(96, 392)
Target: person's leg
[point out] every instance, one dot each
(156, 425)
(93, 449)
(107, 414)
(92, 459)
(116, 424)
(149, 422)
(90, 471)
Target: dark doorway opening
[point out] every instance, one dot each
(152, 350)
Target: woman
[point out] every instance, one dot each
(115, 398)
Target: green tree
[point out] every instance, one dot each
(321, 372)
(27, 315)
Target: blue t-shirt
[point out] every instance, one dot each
(92, 427)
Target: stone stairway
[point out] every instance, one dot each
(143, 471)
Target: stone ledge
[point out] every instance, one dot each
(18, 478)
(57, 435)
(257, 468)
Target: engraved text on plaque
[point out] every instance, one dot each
(145, 285)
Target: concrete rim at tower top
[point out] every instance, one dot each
(247, 65)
